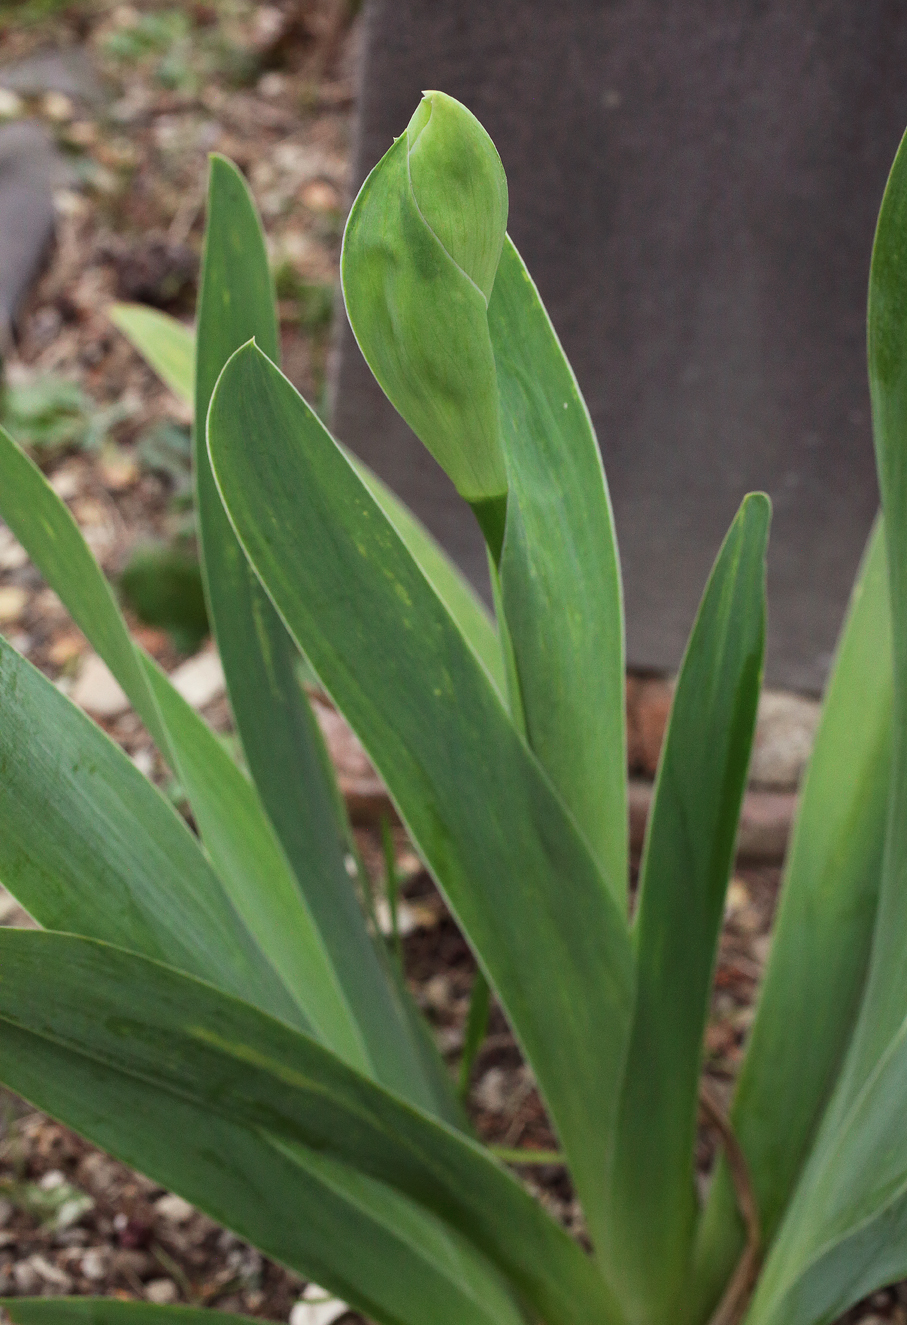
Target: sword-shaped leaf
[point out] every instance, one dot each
(559, 571)
(129, 1019)
(406, 1262)
(515, 870)
(108, 1311)
(687, 861)
(822, 934)
(89, 846)
(168, 345)
(239, 839)
(280, 736)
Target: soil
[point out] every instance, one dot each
(272, 87)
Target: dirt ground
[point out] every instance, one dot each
(271, 86)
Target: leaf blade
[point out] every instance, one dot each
(89, 846)
(687, 861)
(470, 793)
(137, 1019)
(823, 931)
(559, 571)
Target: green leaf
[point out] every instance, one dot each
(861, 1136)
(559, 572)
(885, 1000)
(89, 846)
(475, 801)
(451, 586)
(280, 736)
(421, 321)
(240, 840)
(248, 858)
(136, 1020)
(822, 934)
(846, 1226)
(108, 1311)
(168, 345)
(51, 537)
(686, 864)
(406, 1263)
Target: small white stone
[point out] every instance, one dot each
(10, 103)
(94, 1263)
(13, 601)
(200, 680)
(97, 690)
(52, 1180)
(317, 1308)
(174, 1208)
(161, 1291)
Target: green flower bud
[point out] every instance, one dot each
(420, 253)
(459, 185)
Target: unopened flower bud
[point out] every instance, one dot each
(420, 253)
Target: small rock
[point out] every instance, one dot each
(491, 1093)
(57, 106)
(12, 554)
(52, 1180)
(66, 647)
(10, 104)
(144, 761)
(13, 601)
(200, 680)
(6, 1207)
(785, 732)
(26, 1279)
(66, 482)
(174, 1209)
(94, 1264)
(97, 691)
(161, 1291)
(51, 1274)
(317, 1308)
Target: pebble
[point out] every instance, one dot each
(317, 1307)
(161, 1291)
(785, 734)
(97, 691)
(174, 1208)
(94, 1264)
(200, 680)
(13, 600)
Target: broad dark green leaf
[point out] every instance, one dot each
(108, 1311)
(846, 1228)
(515, 870)
(816, 971)
(861, 1141)
(89, 846)
(134, 1020)
(687, 860)
(559, 572)
(51, 537)
(239, 838)
(168, 345)
(280, 736)
(162, 341)
(405, 1267)
(885, 1001)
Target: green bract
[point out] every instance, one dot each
(420, 253)
(218, 1007)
